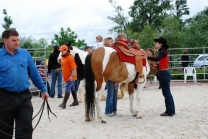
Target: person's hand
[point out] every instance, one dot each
(70, 78)
(45, 96)
(58, 70)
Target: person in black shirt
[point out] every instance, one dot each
(185, 59)
(52, 66)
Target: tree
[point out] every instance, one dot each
(7, 19)
(181, 8)
(146, 37)
(66, 36)
(120, 20)
(195, 32)
(35, 47)
(170, 29)
(145, 12)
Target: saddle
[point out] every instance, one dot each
(134, 51)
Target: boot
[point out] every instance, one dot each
(66, 97)
(74, 94)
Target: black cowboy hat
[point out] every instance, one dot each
(163, 41)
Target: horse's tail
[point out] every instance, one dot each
(90, 88)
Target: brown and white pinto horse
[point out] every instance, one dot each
(101, 65)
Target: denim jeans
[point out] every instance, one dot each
(111, 99)
(76, 84)
(56, 76)
(69, 86)
(165, 77)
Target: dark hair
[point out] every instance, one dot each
(56, 47)
(9, 32)
(185, 51)
(87, 47)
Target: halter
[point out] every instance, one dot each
(41, 110)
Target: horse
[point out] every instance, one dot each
(103, 64)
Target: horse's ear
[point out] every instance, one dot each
(69, 45)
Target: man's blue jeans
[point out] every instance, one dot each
(165, 77)
(56, 76)
(111, 99)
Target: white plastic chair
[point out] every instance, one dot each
(189, 71)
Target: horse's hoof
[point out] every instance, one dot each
(103, 121)
(139, 117)
(134, 115)
(87, 120)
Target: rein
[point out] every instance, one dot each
(39, 112)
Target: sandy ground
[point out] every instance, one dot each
(190, 121)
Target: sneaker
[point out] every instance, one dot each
(114, 113)
(110, 115)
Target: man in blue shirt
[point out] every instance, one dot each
(15, 98)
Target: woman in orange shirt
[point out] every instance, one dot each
(68, 67)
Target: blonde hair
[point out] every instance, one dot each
(42, 63)
(99, 38)
(121, 36)
(105, 42)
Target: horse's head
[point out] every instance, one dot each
(153, 65)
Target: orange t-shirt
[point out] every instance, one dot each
(67, 65)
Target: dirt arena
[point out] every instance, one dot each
(190, 121)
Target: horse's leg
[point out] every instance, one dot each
(138, 98)
(81, 92)
(98, 96)
(103, 96)
(131, 97)
(121, 91)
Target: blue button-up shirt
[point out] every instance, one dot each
(14, 71)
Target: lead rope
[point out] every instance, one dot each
(41, 110)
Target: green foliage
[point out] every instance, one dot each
(145, 12)
(146, 37)
(181, 8)
(66, 36)
(195, 33)
(119, 19)
(7, 19)
(35, 47)
(130, 34)
(170, 29)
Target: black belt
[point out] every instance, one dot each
(14, 93)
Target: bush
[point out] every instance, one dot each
(178, 74)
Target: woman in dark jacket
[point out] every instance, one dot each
(52, 66)
(164, 74)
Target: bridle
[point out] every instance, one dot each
(39, 112)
